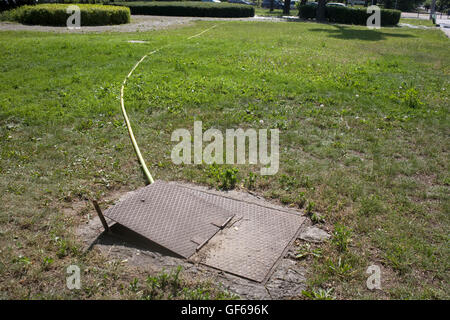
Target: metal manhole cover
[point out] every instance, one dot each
(171, 216)
(253, 242)
(183, 219)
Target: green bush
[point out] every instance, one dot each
(359, 16)
(56, 15)
(307, 11)
(190, 9)
(345, 15)
(390, 17)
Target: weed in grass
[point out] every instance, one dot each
(314, 216)
(163, 284)
(306, 250)
(134, 285)
(310, 208)
(196, 294)
(317, 218)
(341, 237)
(250, 181)
(319, 294)
(170, 285)
(286, 199)
(411, 98)
(287, 183)
(47, 262)
(371, 206)
(226, 178)
(339, 267)
(24, 261)
(300, 200)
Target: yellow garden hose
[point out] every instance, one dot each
(125, 115)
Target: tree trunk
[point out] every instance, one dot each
(287, 7)
(320, 16)
(433, 9)
(271, 5)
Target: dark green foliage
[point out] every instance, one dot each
(227, 178)
(10, 4)
(189, 9)
(56, 15)
(347, 15)
(407, 5)
(307, 11)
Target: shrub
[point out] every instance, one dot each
(190, 9)
(346, 15)
(56, 15)
(359, 16)
(390, 17)
(341, 237)
(307, 11)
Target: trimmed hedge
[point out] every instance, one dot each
(190, 9)
(346, 15)
(56, 15)
(307, 11)
(360, 16)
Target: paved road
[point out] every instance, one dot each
(442, 20)
(423, 16)
(444, 24)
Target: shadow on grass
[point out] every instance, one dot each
(349, 33)
(121, 236)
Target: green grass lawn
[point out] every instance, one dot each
(364, 144)
(418, 22)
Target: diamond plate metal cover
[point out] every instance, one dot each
(253, 241)
(171, 216)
